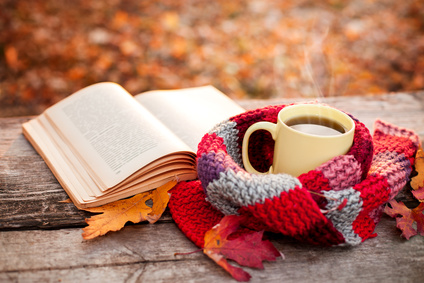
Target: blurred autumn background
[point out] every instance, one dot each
(247, 49)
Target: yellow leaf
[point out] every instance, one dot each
(116, 214)
(417, 182)
(160, 199)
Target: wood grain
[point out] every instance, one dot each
(146, 252)
(40, 237)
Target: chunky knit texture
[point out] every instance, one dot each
(337, 203)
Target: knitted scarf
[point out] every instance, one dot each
(338, 203)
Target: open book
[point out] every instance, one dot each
(103, 144)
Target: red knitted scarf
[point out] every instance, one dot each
(338, 203)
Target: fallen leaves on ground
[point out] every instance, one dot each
(410, 221)
(114, 215)
(248, 49)
(247, 250)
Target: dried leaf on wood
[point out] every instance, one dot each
(160, 198)
(410, 221)
(417, 182)
(247, 250)
(114, 215)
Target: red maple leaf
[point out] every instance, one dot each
(405, 218)
(247, 250)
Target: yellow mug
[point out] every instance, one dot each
(306, 136)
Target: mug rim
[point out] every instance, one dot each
(350, 127)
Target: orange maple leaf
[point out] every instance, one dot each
(247, 250)
(116, 214)
(406, 217)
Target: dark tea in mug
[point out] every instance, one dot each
(316, 125)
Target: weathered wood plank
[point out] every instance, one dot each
(30, 195)
(142, 253)
(10, 129)
(174, 271)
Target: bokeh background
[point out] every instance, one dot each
(247, 49)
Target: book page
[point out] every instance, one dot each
(110, 133)
(78, 185)
(190, 113)
(38, 136)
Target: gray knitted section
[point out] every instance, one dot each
(233, 190)
(229, 133)
(343, 219)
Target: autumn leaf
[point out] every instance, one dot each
(419, 194)
(247, 250)
(406, 218)
(417, 182)
(114, 215)
(160, 198)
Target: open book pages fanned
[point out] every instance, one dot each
(103, 144)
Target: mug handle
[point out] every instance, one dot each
(267, 126)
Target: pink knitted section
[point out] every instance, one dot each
(342, 172)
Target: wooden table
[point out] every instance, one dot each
(40, 237)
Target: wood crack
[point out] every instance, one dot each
(84, 266)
